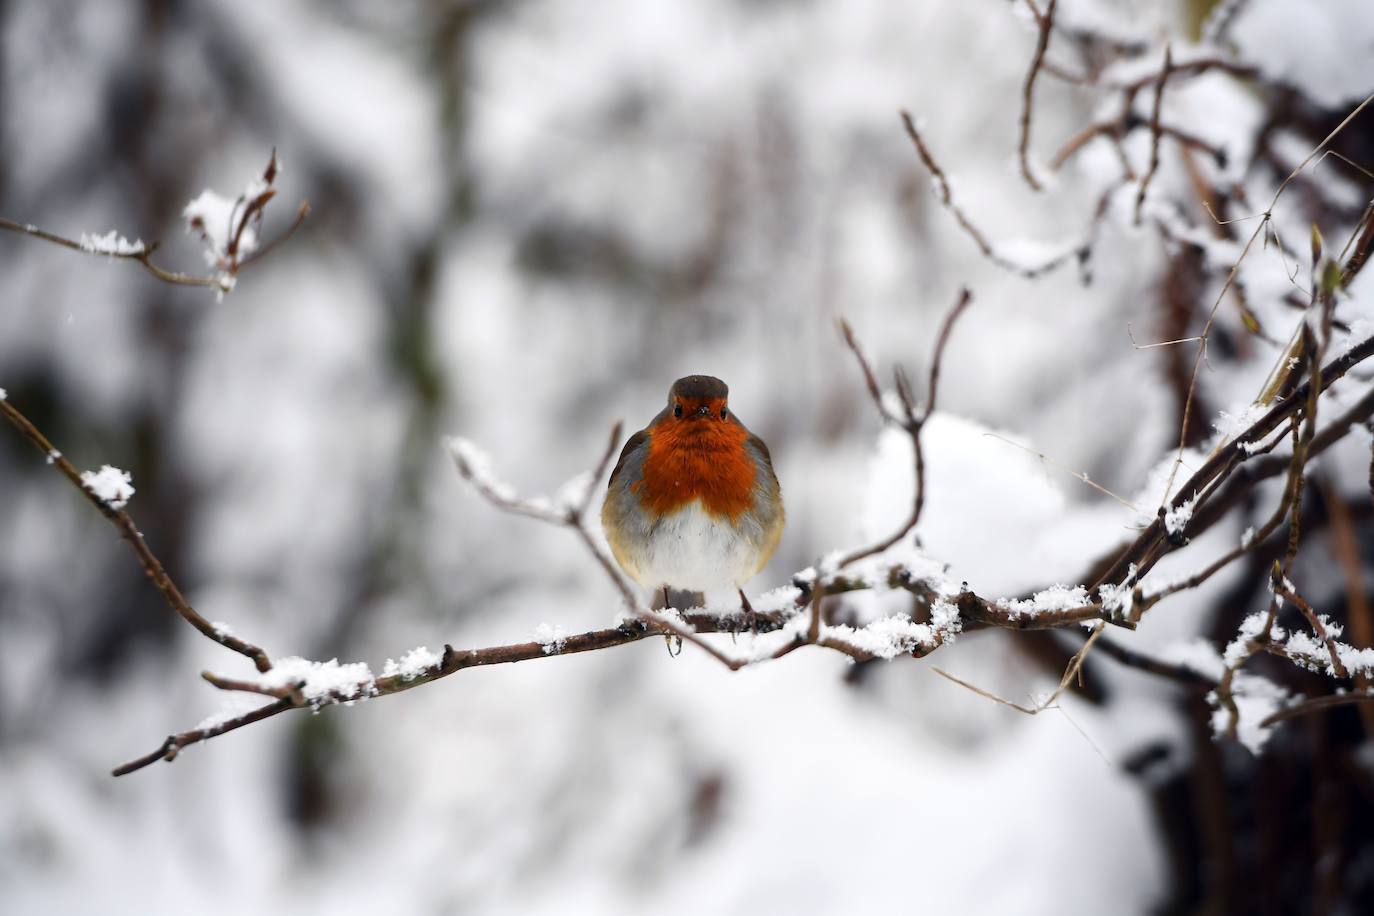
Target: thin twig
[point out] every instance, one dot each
(129, 531)
(1155, 133)
(1315, 622)
(1042, 43)
(912, 423)
(937, 175)
(1315, 704)
(142, 256)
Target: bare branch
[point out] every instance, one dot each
(129, 531)
(1046, 25)
(1077, 253)
(1316, 704)
(1314, 621)
(1155, 133)
(247, 210)
(911, 423)
(142, 256)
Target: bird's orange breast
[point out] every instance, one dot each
(700, 459)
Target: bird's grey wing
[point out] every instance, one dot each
(635, 442)
(761, 452)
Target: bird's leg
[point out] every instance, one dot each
(674, 643)
(751, 620)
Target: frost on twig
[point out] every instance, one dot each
(112, 243)
(412, 664)
(318, 682)
(230, 229)
(110, 485)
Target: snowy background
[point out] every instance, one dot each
(528, 219)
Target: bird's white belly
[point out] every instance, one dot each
(693, 551)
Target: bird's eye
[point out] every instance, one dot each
(724, 413)
(677, 411)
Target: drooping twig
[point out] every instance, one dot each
(143, 255)
(1042, 43)
(244, 214)
(1155, 134)
(1315, 622)
(1071, 671)
(129, 531)
(912, 422)
(169, 748)
(946, 197)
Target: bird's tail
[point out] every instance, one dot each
(678, 600)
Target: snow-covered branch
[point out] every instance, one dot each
(229, 228)
(782, 623)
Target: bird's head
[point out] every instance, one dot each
(698, 398)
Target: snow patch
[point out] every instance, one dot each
(1055, 598)
(110, 485)
(413, 664)
(551, 638)
(321, 681)
(112, 243)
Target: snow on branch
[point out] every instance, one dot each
(110, 485)
(230, 228)
(108, 490)
(1245, 705)
(782, 622)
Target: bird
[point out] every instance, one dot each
(693, 503)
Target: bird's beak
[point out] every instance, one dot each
(703, 411)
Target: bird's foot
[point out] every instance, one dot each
(748, 619)
(633, 627)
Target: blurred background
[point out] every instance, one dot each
(528, 219)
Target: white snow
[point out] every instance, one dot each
(1239, 646)
(1054, 598)
(1153, 493)
(1119, 598)
(892, 636)
(568, 497)
(321, 680)
(777, 183)
(1280, 43)
(413, 663)
(1312, 654)
(215, 218)
(110, 485)
(551, 637)
(1231, 425)
(233, 706)
(1256, 698)
(1176, 518)
(111, 243)
(1361, 329)
(1197, 655)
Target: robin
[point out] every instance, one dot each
(693, 503)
